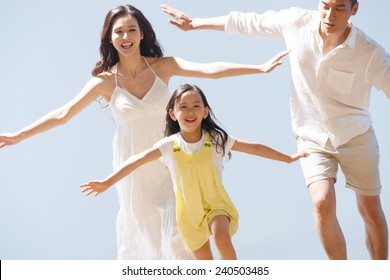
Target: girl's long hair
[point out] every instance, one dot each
(149, 45)
(218, 135)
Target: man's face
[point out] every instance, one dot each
(335, 15)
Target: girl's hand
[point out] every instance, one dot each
(273, 62)
(8, 139)
(181, 20)
(297, 156)
(96, 187)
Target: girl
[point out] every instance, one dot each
(193, 150)
(132, 76)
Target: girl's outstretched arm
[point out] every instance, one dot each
(264, 151)
(125, 169)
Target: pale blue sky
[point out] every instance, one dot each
(47, 52)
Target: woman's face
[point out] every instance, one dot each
(126, 35)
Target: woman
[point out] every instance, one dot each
(132, 76)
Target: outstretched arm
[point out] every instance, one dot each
(125, 169)
(174, 66)
(184, 22)
(264, 151)
(57, 117)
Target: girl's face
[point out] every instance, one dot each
(189, 110)
(126, 35)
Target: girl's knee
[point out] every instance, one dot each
(219, 227)
(222, 239)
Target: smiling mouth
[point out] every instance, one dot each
(190, 120)
(127, 46)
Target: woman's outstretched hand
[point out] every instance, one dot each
(96, 187)
(181, 20)
(8, 139)
(273, 62)
(297, 156)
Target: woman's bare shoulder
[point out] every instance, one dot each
(162, 66)
(104, 83)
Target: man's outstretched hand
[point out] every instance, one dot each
(180, 19)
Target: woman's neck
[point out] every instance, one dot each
(130, 66)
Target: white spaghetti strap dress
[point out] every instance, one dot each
(146, 223)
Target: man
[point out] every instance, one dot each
(333, 66)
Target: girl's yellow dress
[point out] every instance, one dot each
(200, 195)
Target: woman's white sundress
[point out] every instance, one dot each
(146, 222)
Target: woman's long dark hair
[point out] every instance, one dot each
(218, 135)
(149, 45)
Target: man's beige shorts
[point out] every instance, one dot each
(358, 159)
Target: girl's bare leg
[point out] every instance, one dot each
(204, 252)
(219, 227)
